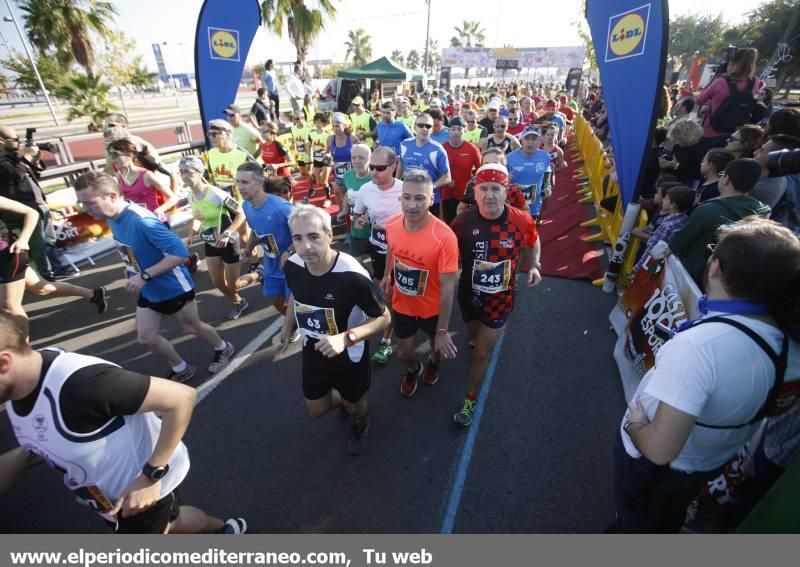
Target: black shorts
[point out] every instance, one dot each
(351, 379)
(449, 208)
(13, 266)
(378, 262)
(406, 326)
(229, 254)
(470, 312)
(155, 519)
(168, 307)
(302, 163)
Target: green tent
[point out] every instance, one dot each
(382, 69)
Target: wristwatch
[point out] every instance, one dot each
(145, 276)
(155, 473)
(352, 338)
(232, 235)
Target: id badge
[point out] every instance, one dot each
(378, 237)
(126, 254)
(491, 277)
(315, 322)
(269, 244)
(409, 280)
(528, 191)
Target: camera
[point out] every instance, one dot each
(727, 56)
(783, 163)
(665, 153)
(43, 147)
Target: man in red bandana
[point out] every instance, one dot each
(493, 241)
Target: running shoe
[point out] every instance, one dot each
(383, 353)
(257, 269)
(312, 192)
(234, 526)
(408, 385)
(431, 375)
(191, 262)
(100, 299)
(184, 376)
(238, 308)
(463, 417)
(221, 358)
(357, 443)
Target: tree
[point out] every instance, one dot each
(692, 35)
(23, 76)
(586, 37)
(143, 78)
(467, 35)
(64, 27)
(397, 56)
(87, 97)
(413, 59)
(303, 23)
(117, 64)
(358, 46)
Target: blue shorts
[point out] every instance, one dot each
(275, 287)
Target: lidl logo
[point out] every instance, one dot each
(627, 33)
(224, 44)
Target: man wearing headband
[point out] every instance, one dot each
(493, 241)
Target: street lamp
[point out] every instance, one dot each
(427, 38)
(33, 63)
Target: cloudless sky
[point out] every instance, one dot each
(391, 25)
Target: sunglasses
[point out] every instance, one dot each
(426, 126)
(500, 127)
(378, 167)
(215, 133)
(112, 125)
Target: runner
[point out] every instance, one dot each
(552, 116)
(119, 122)
(154, 259)
(115, 434)
(321, 159)
(423, 264)
(339, 147)
(494, 240)
(336, 307)
(211, 210)
(390, 131)
(224, 158)
(363, 122)
(529, 168)
(243, 134)
(376, 203)
(423, 153)
(301, 144)
(474, 131)
(514, 196)
(353, 181)
(268, 216)
(275, 156)
(500, 138)
(406, 116)
(464, 158)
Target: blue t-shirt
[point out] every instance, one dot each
(270, 223)
(441, 136)
(390, 135)
(143, 242)
(528, 171)
(431, 157)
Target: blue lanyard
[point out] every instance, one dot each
(726, 307)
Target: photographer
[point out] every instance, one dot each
(683, 160)
(18, 173)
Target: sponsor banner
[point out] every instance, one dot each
(520, 58)
(630, 40)
(662, 296)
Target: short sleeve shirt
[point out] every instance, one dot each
(380, 205)
(270, 224)
(390, 135)
(463, 160)
(353, 184)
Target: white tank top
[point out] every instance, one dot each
(100, 464)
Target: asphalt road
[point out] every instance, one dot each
(539, 459)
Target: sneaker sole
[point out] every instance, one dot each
(431, 383)
(455, 419)
(185, 378)
(213, 370)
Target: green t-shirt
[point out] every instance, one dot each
(246, 138)
(353, 184)
(222, 167)
(301, 142)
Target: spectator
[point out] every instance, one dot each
(682, 109)
(714, 162)
(651, 169)
(745, 141)
(734, 203)
(764, 98)
(783, 121)
(677, 202)
(785, 188)
(657, 215)
(260, 113)
(741, 72)
(687, 152)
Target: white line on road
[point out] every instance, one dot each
(207, 387)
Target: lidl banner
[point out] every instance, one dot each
(662, 296)
(630, 42)
(225, 30)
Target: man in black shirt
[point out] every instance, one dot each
(336, 306)
(260, 112)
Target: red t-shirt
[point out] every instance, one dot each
(275, 153)
(463, 162)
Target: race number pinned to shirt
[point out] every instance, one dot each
(528, 191)
(126, 253)
(491, 277)
(340, 168)
(409, 280)
(315, 322)
(378, 237)
(269, 244)
(210, 235)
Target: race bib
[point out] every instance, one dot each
(319, 155)
(315, 322)
(126, 253)
(491, 277)
(378, 237)
(339, 169)
(210, 235)
(408, 280)
(528, 191)
(269, 244)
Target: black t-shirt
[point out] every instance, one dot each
(331, 303)
(260, 111)
(488, 125)
(91, 396)
(709, 191)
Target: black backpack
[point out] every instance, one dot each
(736, 110)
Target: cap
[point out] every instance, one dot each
(493, 105)
(339, 117)
(456, 122)
(550, 103)
(492, 173)
(436, 102)
(530, 131)
(512, 98)
(232, 109)
(537, 100)
(192, 162)
(219, 124)
(358, 100)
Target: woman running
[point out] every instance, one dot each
(276, 157)
(139, 185)
(321, 159)
(339, 146)
(212, 209)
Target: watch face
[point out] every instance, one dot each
(159, 473)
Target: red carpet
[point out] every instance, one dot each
(301, 190)
(564, 254)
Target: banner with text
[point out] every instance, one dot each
(630, 42)
(662, 296)
(522, 58)
(225, 30)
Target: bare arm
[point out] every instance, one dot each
(443, 343)
(31, 218)
(12, 464)
(662, 439)
(152, 181)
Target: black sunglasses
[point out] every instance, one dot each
(378, 167)
(426, 126)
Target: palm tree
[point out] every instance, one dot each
(358, 46)
(303, 23)
(468, 35)
(64, 26)
(397, 56)
(413, 59)
(434, 55)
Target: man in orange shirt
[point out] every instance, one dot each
(423, 260)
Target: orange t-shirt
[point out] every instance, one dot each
(418, 258)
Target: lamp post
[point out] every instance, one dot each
(33, 64)
(427, 38)
(172, 80)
